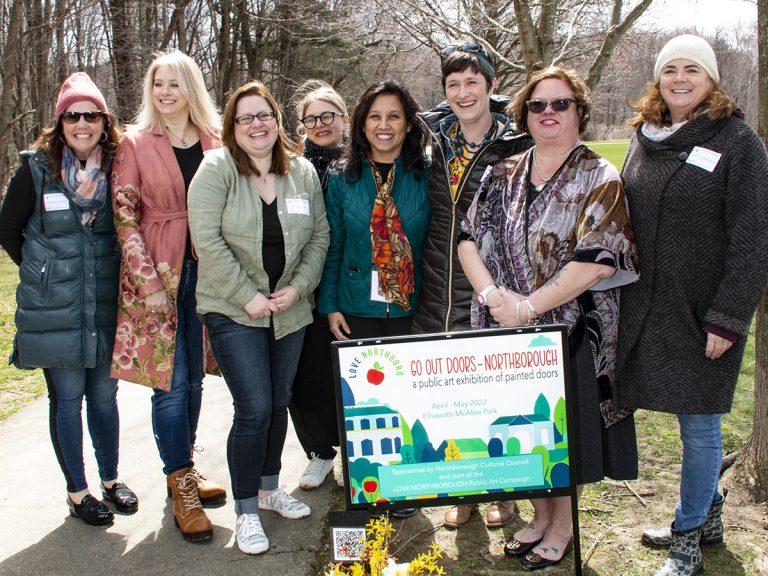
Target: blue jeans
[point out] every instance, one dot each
(66, 389)
(702, 458)
(175, 413)
(259, 372)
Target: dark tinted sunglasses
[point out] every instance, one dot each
(469, 47)
(558, 105)
(74, 117)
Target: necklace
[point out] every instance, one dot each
(184, 143)
(460, 143)
(545, 181)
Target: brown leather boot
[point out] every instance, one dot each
(188, 512)
(211, 495)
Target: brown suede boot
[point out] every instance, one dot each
(188, 512)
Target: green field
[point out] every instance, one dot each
(612, 150)
(17, 387)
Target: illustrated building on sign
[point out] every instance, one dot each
(472, 448)
(530, 429)
(373, 432)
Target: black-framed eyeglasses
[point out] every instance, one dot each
(538, 105)
(74, 117)
(469, 47)
(246, 119)
(325, 119)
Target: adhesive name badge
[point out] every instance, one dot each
(55, 201)
(704, 158)
(375, 296)
(297, 206)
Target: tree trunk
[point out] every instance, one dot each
(127, 86)
(751, 469)
(8, 84)
(614, 34)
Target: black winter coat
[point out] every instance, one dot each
(446, 294)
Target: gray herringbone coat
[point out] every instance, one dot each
(702, 241)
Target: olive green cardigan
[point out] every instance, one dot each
(225, 222)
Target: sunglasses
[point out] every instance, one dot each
(558, 105)
(247, 119)
(74, 117)
(469, 47)
(325, 119)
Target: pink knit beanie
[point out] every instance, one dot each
(77, 88)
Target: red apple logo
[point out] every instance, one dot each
(375, 375)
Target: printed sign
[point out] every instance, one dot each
(446, 418)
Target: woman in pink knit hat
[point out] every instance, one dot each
(56, 224)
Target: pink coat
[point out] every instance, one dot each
(150, 209)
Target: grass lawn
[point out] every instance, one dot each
(17, 387)
(612, 150)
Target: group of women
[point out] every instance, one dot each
(216, 236)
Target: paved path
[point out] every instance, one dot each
(37, 535)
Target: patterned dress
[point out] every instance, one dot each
(525, 238)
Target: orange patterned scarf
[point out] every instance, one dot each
(391, 250)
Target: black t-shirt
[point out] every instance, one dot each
(189, 160)
(273, 245)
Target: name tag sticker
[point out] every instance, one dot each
(375, 296)
(704, 158)
(297, 206)
(55, 201)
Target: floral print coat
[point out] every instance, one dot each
(150, 208)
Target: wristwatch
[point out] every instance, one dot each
(483, 296)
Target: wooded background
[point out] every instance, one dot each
(349, 43)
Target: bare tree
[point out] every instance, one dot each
(525, 35)
(10, 79)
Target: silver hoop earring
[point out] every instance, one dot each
(103, 137)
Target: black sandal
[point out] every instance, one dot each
(514, 548)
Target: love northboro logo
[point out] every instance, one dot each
(374, 365)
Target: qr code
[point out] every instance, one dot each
(348, 544)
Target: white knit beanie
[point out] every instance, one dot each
(690, 47)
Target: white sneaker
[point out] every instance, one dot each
(249, 534)
(314, 475)
(284, 504)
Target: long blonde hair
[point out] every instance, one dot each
(202, 111)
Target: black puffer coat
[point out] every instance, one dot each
(446, 294)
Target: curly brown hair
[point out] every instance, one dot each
(652, 108)
(518, 108)
(52, 141)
